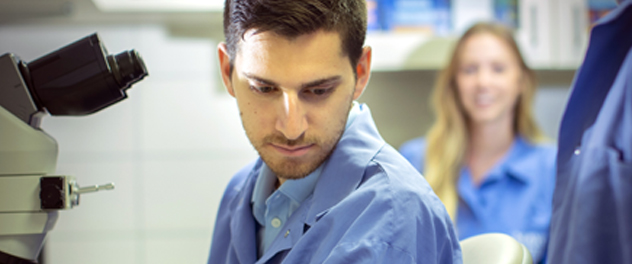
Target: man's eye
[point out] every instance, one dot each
(262, 89)
(320, 91)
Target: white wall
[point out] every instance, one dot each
(170, 148)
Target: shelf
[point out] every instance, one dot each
(422, 51)
(408, 51)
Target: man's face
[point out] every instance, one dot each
(294, 96)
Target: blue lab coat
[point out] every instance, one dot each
(592, 204)
(515, 197)
(369, 206)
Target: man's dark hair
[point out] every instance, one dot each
(293, 18)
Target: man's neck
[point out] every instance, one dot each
(279, 182)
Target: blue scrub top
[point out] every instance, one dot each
(515, 197)
(592, 205)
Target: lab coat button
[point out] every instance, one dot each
(276, 222)
(577, 151)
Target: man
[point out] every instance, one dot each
(326, 188)
(592, 204)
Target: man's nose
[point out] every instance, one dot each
(292, 122)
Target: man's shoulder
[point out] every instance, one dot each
(393, 179)
(394, 205)
(398, 170)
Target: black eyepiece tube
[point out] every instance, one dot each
(128, 67)
(81, 78)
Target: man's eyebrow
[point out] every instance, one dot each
(259, 79)
(315, 83)
(319, 82)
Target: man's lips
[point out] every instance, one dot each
(293, 151)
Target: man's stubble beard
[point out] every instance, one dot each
(294, 168)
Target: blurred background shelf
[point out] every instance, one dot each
(551, 34)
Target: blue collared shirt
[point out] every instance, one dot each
(273, 207)
(592, 205)
(514, 198)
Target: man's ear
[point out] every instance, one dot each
(363, 71)
(224, 67)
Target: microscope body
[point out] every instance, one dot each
(26, 154)
(78, 79)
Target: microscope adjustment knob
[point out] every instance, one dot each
(52, 194)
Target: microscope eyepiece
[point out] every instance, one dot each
(128, 67)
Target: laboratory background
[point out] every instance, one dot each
(173, 144)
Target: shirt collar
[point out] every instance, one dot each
(514, 164)
(264, 186)
(297, 190)
(347, 164)
(517, 164)
(356, 109)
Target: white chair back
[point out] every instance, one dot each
(494, 248)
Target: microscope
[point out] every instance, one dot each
(78, 79)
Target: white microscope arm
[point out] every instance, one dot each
(26, 154)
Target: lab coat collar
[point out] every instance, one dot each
(614, 14)
(344, 171)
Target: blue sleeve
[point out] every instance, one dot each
(221, 239)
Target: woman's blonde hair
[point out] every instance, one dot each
(447, 139)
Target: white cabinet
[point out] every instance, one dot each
(553, 34)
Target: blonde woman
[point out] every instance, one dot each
(483, 156)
